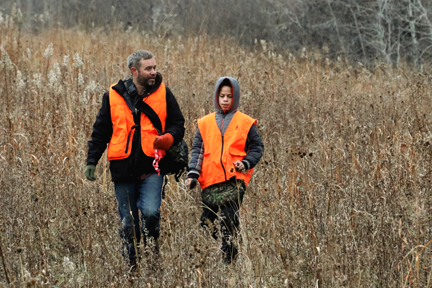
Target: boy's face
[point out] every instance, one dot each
(225, 98)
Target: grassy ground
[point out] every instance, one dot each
(341, 197)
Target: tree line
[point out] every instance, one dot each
(391, 30)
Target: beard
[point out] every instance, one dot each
(146, 81)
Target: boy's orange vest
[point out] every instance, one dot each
(122, 119)
(221, 152)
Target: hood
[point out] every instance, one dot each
(236, 95)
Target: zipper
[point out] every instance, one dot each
(222, 149)
(134, 111)
(130, 132)
(132, 160)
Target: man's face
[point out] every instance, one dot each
(146, 74)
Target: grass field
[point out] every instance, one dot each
(341, 198)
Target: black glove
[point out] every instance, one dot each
(194, 177)
(89, 172)
(193, 183)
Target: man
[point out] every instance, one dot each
(132, 142)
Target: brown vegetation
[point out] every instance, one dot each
(341, 197)
(395, 31)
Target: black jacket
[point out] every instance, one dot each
(137, 163)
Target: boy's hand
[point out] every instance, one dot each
(239, 166)
(191, 183)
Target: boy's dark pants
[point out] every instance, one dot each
(226, 198)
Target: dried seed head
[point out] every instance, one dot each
(66, 59)
(77, 61)
(5, 63)
(80, 79)
(49, 51)
(20, 81)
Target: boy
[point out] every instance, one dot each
(226, 148)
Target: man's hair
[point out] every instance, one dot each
(134, 60)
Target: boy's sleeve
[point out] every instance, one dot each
(197, 155)
(254, 148)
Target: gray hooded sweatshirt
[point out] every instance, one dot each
(254, 146)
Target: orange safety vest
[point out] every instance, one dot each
(122, 119)
(221, 152)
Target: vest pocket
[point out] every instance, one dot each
(119, 126)
(147, 139)
(118, 137)
(234, 155)
(207, 158)
(237, 152)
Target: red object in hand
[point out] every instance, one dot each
(163, 142)
(158, 156)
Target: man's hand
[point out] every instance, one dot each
(191, 183)
(239, 166)
(163, 142)
(89, 172)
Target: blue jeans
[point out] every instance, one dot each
(145, 196)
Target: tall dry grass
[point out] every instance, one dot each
(341, 197)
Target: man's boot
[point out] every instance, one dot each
(156, 249)
(133, 265)
(230, 253)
